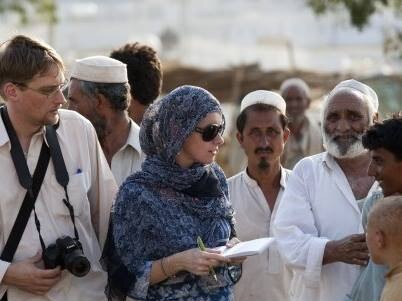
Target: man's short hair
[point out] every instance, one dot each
(118, 94)
(22, 58)
(259, 107)
(387, 135)
(144, 71)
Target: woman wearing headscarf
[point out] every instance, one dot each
(179, 194)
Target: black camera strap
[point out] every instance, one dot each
(32, 184)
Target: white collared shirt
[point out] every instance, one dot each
(264, 276)
(91, 190)
(129, 157)
(317, 206)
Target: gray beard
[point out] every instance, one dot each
(342, 151)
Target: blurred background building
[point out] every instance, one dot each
(227, 46)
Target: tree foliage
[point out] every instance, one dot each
(360, 11)
(30, 10)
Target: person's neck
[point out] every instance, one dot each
(356, 165)
(116, 133)
(23, 128)
(266, 178)
(296, 126)
(393, 258)
(136, 111)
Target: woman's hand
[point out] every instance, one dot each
(196, 261)
(235, 260)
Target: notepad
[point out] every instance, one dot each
(247, 248)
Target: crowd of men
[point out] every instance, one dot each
(318, 212)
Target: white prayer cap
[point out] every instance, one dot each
(358, 86)
(100, 69)
(295, 82)
(263, 97)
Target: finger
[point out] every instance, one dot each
(36, 258)
(361, 246)
(362, 255)
(358, 237)
(232, 242)
(215, 256)
(213, 251)
(51, 273)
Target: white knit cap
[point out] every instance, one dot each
(358, 86)
(100, 69)
(264, 97)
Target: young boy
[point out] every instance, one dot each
(384, 240)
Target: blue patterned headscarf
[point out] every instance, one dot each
(165, 126)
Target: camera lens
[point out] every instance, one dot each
(78, 265)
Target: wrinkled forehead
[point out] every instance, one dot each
(346, 100)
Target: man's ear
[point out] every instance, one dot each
(375, 117)
(286, 134)
(239, 137)
(101, 103)
(10, 92)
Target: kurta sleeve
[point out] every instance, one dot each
(3, 268)
(295, 228)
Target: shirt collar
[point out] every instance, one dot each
(4, 138)
(134, 136)
(253, 183)
(328, 160)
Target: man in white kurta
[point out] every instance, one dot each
(99, 90)
(91, 186)
(256, 191)
(318, 222)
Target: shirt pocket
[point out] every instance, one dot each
(77, 196)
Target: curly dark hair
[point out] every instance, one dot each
(387, 135)
(144, 71)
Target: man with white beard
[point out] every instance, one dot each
(318, 224)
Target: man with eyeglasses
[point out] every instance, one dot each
(256, 192)
(99, 90)
(72, 203)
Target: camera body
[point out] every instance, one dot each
(67, 253)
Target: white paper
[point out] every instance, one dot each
(247, 248)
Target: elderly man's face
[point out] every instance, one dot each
(345, 121)
(297, 103)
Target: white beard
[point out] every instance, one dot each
(355, 149)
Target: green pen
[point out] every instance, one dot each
(201, 246)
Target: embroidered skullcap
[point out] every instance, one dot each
(263, 97)
(168, 122)
(360, 87)
(295, 82)
(100, 69)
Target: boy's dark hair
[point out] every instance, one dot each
(387, 135)
(144, 71)
(259, 107)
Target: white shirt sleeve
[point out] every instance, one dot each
(295, 228)
(3, 268)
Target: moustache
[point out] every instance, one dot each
(263, 149)
(344, 137)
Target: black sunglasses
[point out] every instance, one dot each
(210, 131)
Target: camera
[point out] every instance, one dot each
(67, 253)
